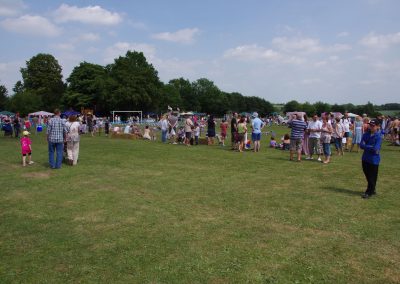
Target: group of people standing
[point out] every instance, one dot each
(309, 137)
(326, 130)
(60, 135)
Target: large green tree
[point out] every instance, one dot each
(190, 102)
(170, 96)
(291, 106)
(308, 108)
(86, 87)
(211, 99)
(25, 102)
(133, 83)
(321, 107)
(3, 97)
(42, 76)
(236, 102)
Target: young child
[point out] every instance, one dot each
(196, 133)
(272, 143)
(181, 135)
(26, 148)
(223, 126)
(286, 142)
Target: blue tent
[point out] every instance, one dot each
(70, 112)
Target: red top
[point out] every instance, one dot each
(25, 145)
(223, 127)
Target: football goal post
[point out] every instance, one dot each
(116, 112)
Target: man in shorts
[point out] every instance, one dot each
(256, 125)
(314, 127)
(298, 127)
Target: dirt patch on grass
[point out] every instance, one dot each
(40, 175)
(90, 217)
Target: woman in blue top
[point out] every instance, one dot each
(371, 144)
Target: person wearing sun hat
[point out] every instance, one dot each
(256, 125)
(26, 148)
(371, 144)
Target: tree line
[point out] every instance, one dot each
(131, 83)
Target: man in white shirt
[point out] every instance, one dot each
(164, 128)
(314, 128)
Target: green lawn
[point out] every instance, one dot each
(144, 212)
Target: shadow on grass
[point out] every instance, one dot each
(343, 190)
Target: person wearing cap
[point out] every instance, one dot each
(371, 144)
(26, 148)
(256, 125)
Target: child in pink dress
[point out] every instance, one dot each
(26, 149)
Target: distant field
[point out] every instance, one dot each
(144, 212)
(390, 112)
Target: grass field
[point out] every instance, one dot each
(144, 212)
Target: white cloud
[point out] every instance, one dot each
(338, 47)
(373, 40)
(88, 37)
(64, 46)
(120, 49)
(306, 45)
(31, 25)
(87, 15)
(182, 36)
(251, 52)
(11, 7)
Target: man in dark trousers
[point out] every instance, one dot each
(371, 144)
(56, 132)
(234, 130)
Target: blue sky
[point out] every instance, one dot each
(310, 50)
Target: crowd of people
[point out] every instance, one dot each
(308, 137)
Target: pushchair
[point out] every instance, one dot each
(7, 128)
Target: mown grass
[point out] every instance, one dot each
(144, 212)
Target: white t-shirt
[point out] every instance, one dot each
(315, 125)
(346, 124)
(197, 131)
(164, 124)
(73, 130)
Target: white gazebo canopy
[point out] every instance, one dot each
(41, 113)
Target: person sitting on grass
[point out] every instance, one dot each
(146, 134)
(181, 135)
(136, 130)
(272, 143)
(127, 129)
(285, 142)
